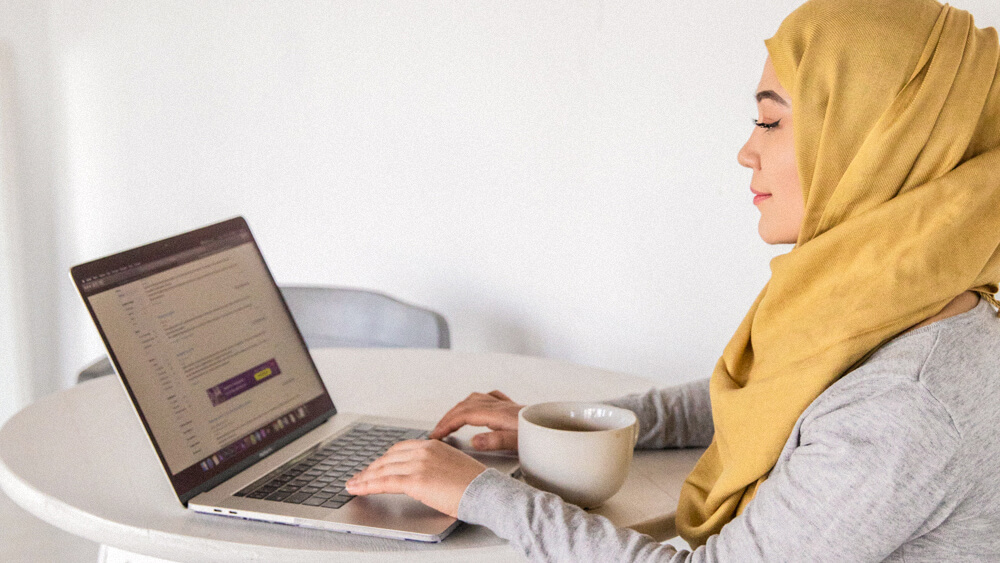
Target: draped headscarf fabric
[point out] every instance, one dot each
(896, 111)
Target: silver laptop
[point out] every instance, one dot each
(225, 388)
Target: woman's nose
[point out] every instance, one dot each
(747, 156)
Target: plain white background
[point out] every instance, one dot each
(557, 178)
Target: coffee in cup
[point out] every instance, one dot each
(579, 451)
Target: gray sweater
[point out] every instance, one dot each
(898, 460)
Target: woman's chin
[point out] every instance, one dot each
(770, 235)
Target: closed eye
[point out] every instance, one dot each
(765, 126)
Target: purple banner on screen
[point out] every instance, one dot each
(243, 382)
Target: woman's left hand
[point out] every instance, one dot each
(430, 471)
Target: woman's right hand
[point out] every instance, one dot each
(494, 410)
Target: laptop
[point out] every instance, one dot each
(229, 396)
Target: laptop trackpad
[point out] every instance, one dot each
(397, 512)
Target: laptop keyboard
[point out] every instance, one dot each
(317, 477)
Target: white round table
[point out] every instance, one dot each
(79, 459)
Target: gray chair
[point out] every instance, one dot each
(356, 318)
(349, 318)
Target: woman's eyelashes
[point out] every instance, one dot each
(766, 126)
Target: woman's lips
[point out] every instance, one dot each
(759, 196)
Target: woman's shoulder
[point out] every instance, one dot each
(948, 369)
(965, 331)
(930, 396)
(962, 341)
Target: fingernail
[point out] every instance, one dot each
(478, 441)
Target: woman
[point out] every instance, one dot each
(854, 414)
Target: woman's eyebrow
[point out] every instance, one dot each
(771, 95)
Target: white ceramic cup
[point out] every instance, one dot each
(579, 451)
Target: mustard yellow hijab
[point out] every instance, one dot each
(896, 110)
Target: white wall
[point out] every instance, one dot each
(557, 178)
(30, 285)
(9, 314)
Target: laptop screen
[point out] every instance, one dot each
(207, 349)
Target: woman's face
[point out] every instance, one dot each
(770, 153)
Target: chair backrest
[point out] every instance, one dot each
(349, 318)
(356, 318)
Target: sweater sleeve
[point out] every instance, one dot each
(865, 478)
(673, 417)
